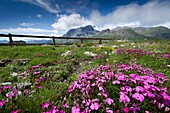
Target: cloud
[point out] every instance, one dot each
(153, 13)
(39, 16)
(66, 22)
(65, 6)
(45, 4)
(26, 24)
(26, 31)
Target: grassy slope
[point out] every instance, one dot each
(67, 68)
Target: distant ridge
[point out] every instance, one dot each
(124, 33)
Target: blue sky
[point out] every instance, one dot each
(55, 17)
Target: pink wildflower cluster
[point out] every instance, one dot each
(139, 52)
(131, 51)
(48, 108)
(90, 91)
(11, 91)
(166, 55)
(39, 55)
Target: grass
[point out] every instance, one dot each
(60, 71)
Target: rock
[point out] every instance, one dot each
(22, 61)
(67, 53)
(46, 45)
(3, 63)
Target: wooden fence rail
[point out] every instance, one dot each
(51, 37)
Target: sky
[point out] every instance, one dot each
(56, 17)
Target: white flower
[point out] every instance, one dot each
(90, 62)
(100, 46)
(132, 43)
(168, 65)
(66, 53)
(14, 74)
(19, 93)
(114, 60)
(24, 84)
(105, 52)
(122, 45)
(90, 54)
(115, 46)
(6, 83)
(92, 47)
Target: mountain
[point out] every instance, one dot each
(157, 32)
(122, 33)
(39, 41)
(4, 42)
(86, 31)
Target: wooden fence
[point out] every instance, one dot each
(50, 37)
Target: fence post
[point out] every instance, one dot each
(81, 40)
(100, 41)
(53, 40)
(10, 40)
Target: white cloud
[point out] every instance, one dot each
(39, 16)
(64, 23)
(26, 24)
(27, 31)
(154, 13)
(150, 14)
(45, 4)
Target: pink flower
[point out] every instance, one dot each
(149, 52)
(75, 110)
(95, 106)
(66, 105)
(117, 111)
(27, 74)
(108, 110)
(12, 94)
(15, 111)
(53, 110)
(36, 72)
(140, 88)
(150, 94)
(121, 77)
(61, 111)
(38, 87)
(7, 87)
(124, 97)
(125, 109)
(116, 82)
(3, 102)
(45, 105)
(109, 101)
(138, 96)
(72, 87)
(34, 67)
(26, 91)
(126, 89)
(135, 77)
(166, 55)
(134, 108)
